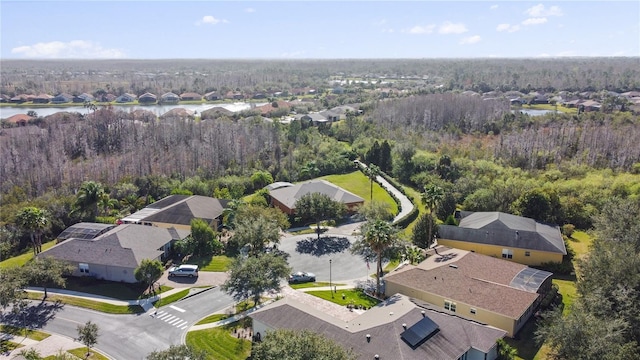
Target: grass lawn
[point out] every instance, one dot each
(312, 285)
(212, 263)
(89, 304)
(171, 298)
(412, 193)
(82, 354)
(527, 348)
(353, 296)
(212, 318)
(580, 242)
(23, 258)
(6, 346)
(218, 343)
(357, 183)
(17, 331)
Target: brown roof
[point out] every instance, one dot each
(18, 118)
(267, 108)
(191, 95)
(454, 337)
(477, 280)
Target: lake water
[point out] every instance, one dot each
(533, 112)
(7, 111)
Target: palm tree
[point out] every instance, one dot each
(379, 236)
(132, 203)
(35, 221)
(88, 197)
(431, 197)
(106, 203)
(372, 172)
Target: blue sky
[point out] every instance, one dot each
(317, 29)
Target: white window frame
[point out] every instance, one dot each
(472, 311)
(450, 305)
(507, 254)
(527, 253)
(84, 268)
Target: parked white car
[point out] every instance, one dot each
(184, 270)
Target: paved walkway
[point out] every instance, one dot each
(405, 204)
(52, 345)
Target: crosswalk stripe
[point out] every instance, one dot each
(174, 321)
(184, 327)
(169, 318)
(165, 316)
(180, 323)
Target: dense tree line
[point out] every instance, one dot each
(160, 76)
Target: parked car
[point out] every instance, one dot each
(184, 270)
(301, 277)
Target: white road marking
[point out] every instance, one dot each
(175, 321)
(165, 316)
(169, 318)
(180, 323)
(177, 308)
(184, 327)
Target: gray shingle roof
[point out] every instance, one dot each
(455, 337)
(125, 246)
(180, 210)
(289, 195)
(496, 228)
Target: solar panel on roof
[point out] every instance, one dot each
(419, 332)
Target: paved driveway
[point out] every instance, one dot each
(205, 278)
(307, 254)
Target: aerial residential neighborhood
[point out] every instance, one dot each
(305, 180)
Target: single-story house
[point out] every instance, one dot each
(82, 98)
(115, 254)
(316, 119)
(19, 119)
(126, 98)
(492, 291)
(178, 113)
(62, 99)
(190, 96)
(285, 196)
(147, 98)
(42, 99)
(212, 96)
(215, 112)
(177, 211)
(169, 98)
(397, 328)
(506, 236)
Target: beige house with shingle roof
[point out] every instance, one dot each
(481, 288)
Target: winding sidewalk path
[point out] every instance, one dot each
(405, 204)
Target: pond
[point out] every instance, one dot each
(8, 111)
(533, 112)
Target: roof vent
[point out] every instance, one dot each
(391, 313)
(422, 312)
(368, 337)
(376, 356)
(453, 266)
(404, 326)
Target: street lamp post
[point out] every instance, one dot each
(330, 287)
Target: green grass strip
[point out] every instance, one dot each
(23, 258)
(351, 297)
(89, 304)
(171, 298)
(81, 353)
(212, 318)
(18, 331)
(312, 285)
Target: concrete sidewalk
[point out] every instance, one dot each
(52, 345)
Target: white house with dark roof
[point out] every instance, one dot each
(492, 291)
(177, 211)
(398, 328)
(506, 236)
(285, 195)
(115, 254)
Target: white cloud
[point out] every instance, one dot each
(493, 7)
(208, 19)
(292, 54)
(508, 28)
(534, 21)
(471, 40)
(422, 29)
(451, 28)
(250, 10)
(75, 49)
(540, 11)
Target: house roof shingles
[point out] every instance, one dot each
(289, 195)
(476, 280)
(454, 338)
(123, 246)
(180, 209)
(496, 228)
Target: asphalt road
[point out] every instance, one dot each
(307, 254)
(133, 336)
